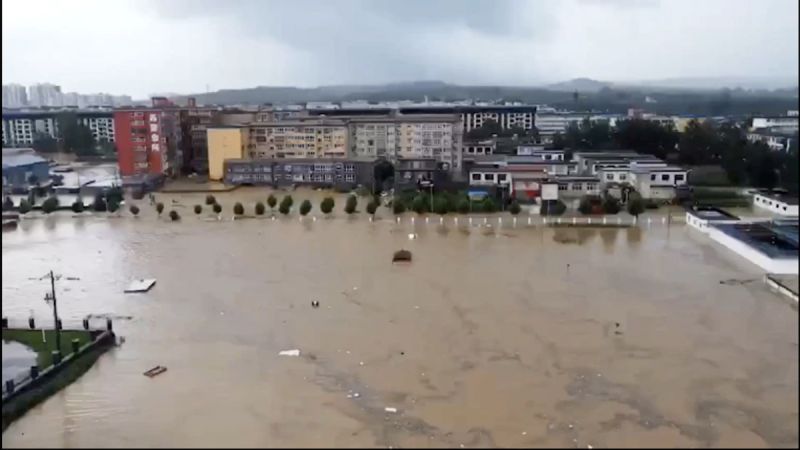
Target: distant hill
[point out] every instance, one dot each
(580, 85)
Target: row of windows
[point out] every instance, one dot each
(589, 186)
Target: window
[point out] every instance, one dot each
(653, 177)
(501, 177)
(562, 187)
(679, 177)
(609, 176)
(476, 177)
(591, 186)
(623, 177)
(665, 177)
(488, 177)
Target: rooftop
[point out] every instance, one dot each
(710, 213)
(777, 196)
(775, 241)
(16, 157)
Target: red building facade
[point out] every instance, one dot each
(148, 139)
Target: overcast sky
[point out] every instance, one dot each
(149, 46)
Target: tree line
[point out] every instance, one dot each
(701, 143)
(74, 137)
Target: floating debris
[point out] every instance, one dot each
(140, 285)
(157, 370)
(401, 256)
(314, 304)
(390, 409)
(412, 236)
(292, 352)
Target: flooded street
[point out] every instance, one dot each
(501, 336)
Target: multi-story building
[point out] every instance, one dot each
(45, 94)
(225, 143)
(298, 138)
(778, 141)
(14, 96)
(315, 172)
(407, 136)
(21, 126)
(148, 139)
(786, 123)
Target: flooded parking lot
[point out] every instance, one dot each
(501, 336)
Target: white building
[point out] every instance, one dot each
(776, 123)
(45, 94)
(780, 204)
(775, 141)
(14, 96)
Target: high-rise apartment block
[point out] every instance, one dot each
(148, 139)
(14, 96)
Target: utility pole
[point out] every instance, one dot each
(52, 297)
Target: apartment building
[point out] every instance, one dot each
(788, 124)
(14, 96)
(224, 143)
(312, 138)
(315, 172)
(148, 139)
(20, 126)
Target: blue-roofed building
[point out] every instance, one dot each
(20, 163)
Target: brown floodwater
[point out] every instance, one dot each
(506, 335)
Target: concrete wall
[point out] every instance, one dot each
(776, 206)
(779, 266)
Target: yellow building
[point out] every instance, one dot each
(224, 143)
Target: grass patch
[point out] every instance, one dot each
(33, 339)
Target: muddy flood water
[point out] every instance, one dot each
(501, 336)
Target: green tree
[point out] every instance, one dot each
(462, 204)
(372, 206)
(635, 205)
(198, 209)
(238, 209)
(441, 205)
(8, 204)
(217, 208)
(305, 207)
(116, 194)
(286, 205)
(514, 208)
(134, 210)
(50, 205)
(398, 206)
(174, 216)
(420, 204)
(489, 205)
(76, 137)
(77, 206)
(24, 206)
(210, 200)
(44, 143)
(611, 205)
(113, 205)
(99, 204)
(350, 204)
(272, 201)
(159, 208)
(586, 205)
(260, 208)
(327, 205)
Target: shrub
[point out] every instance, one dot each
(113, 205)
(77, 206)
(99, 204)
(398, 207)
(217, 208)
(8, 204)
(372, 206)
(420, 204)
(272, 201)
(441, 205)
(198, 209)
(260, 208)
(350, 204)
(50, 205)
(305, 207)
(611, 205)
(327, 205)
(286, 205)
(553, 208)
(134, 210)
(238, 209)
(210, 200)
(174, 216)
(114, 194)
(635, 205)
(24, 206)
(585, 206)
(488, 204)
(462, 205)
(514, 208)
(159, 208)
